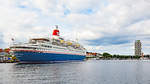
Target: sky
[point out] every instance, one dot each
(99, 25)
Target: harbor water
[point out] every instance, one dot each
(84, 72)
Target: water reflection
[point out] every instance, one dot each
(86, 72)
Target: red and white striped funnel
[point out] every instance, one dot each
(56, 31)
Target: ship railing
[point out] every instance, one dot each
(19, 43)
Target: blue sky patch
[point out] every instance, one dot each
(22, 6)
(66, 12)
(86, 11)
(105, 2)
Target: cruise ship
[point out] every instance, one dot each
(43, 50)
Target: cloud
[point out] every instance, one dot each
(100, 25)
(1, 41)
(141, 27)
(77, 6)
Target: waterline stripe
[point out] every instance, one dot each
(47, 52)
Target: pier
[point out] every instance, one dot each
(7, 57)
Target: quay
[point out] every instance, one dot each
(7, 57)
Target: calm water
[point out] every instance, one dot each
(86, 72)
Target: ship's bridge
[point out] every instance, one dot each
(38, 40)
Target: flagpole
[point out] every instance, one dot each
(12, 41)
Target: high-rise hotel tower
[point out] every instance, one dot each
(138, 48)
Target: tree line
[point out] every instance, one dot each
(106, 55)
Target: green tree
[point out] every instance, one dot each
(106, 55)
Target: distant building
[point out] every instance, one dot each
(91, 54)
(3, 57)
(1, 50)
(138, 48)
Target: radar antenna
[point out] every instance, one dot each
(56, 26)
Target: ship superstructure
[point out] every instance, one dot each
(49, 49)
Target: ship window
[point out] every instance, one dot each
(58, 48)
(46, 46)
(24, 47)
(50, 46)
(34, 45)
